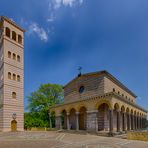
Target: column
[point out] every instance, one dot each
(135, 122)
(50, 123)
(77, 121)
(129, 121)
(111, 121)
(133, 118)
(118, 121)
(138, 122)
(125, 121)
(68, 128)
(92, 121)
(142, 123)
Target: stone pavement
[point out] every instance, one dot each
(55, 139)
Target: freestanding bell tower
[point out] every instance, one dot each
(11, 76)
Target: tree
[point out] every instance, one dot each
(147, 123)
(39, 102)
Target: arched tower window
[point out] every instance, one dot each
(14, 95)
(7, 32)
(18, 58)
(9, 54)
(14, 76)
(18, 78)
(9, 75)
(20, 39)
(13, 35)
(14, 56)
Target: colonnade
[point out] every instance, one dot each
(103, 119)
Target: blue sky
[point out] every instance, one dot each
(62, 35)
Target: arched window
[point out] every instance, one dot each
(14, 95)
(20, 39)
(18, 78)
(113, 89)
(13, 35)
(119, 92)
(7, 32)
(14, 56)
(18, 58)
(9, 75)
(14, 76)
(9, 54)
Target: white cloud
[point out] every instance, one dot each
(41, 33)
(58, 3)
(51, 18)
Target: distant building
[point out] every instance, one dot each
(11, 76)
(98, 102)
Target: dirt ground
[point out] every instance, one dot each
(55, 139)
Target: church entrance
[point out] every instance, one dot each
(13, 125)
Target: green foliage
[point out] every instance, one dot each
(39, 102)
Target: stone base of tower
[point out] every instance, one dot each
(9, 130)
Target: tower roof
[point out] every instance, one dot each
(11, 22)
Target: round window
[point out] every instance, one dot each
(81, 90)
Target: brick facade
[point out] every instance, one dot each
(11, 75)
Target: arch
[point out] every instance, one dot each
(14, 76)
(52, 119)
(103, 102)
(132, 111)
(7, 32)
(14, 35)
(19, 39)
(14, 95)
(127, 110)
(70, 108)
(123, 108)
(13, 125)
(72, 119)
(18, 58)
(103, 117)
(127, 118)
(18, 78)
(64, 119)
(9, 54)
(14, 56)
(123, 117)
(116, 106)
(116, 116)
(80, 106)
(9, 75)
(82, 118)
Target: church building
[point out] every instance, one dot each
(98, 102)
(11, 76)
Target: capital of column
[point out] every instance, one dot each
(92, 111)
(67, 113)
(58, 115)
(77, 113)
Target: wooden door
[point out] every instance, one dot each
(13, 125)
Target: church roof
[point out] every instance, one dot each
(107, 74)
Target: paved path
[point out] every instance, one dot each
(64, 140)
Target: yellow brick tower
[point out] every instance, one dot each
(11, 76)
